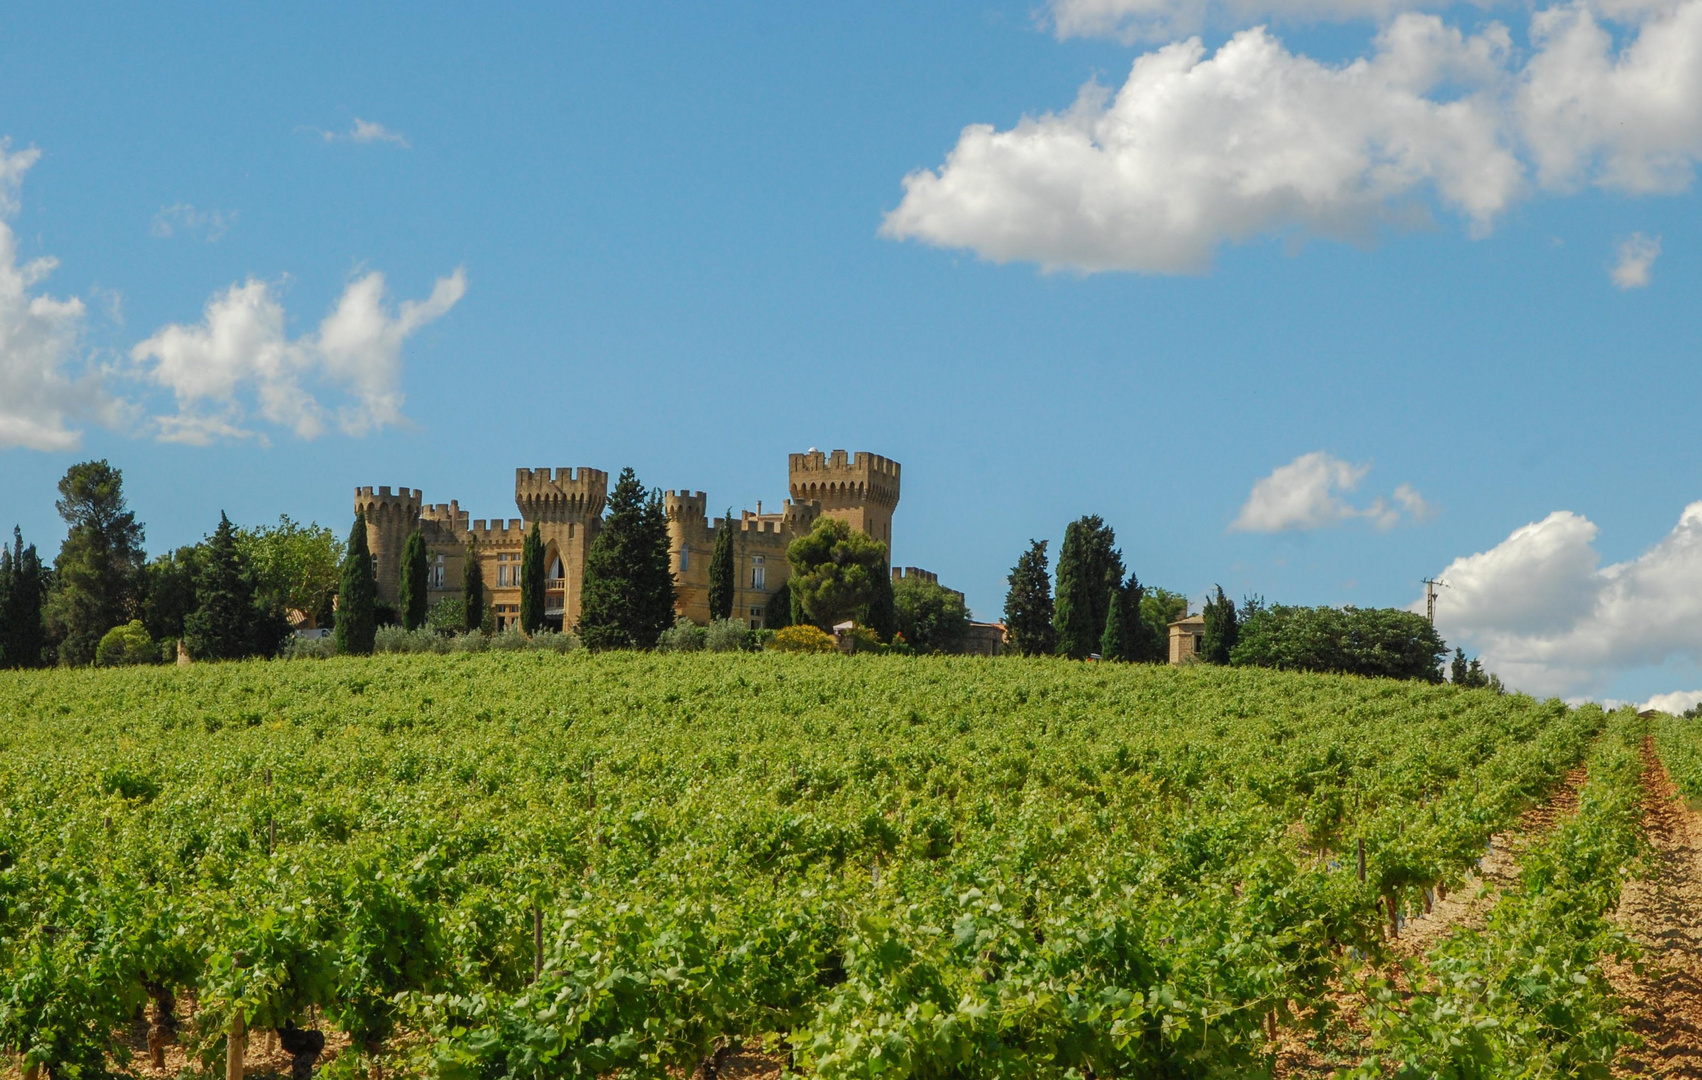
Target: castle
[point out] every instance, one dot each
(567, 507)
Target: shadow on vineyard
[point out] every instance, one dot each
(538, 865)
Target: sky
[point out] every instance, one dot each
(1312, 299)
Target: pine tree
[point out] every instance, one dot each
(357, 596)
(721, 571)
(628, 597)
(532, 582)
(1028, 605)
(23, 590)
(99, 567)
(473, 587)
(412, 598)
(1457, 669)
(1221, 631)
(1089, 567)
(222, 625)
(881, 615)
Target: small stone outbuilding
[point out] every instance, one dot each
(1187, 636)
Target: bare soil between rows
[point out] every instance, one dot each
(1662, 912)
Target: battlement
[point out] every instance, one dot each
(402, 494)
(685, 505)
(447, 514)
(862, 462)
(911, 573)
(495, 533)
(568, 495)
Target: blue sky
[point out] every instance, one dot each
(668, 228)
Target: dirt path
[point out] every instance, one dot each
(1663, 912)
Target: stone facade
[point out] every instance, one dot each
(1186, 636)
(567, 505)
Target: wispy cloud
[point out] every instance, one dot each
(210, 225)
(1309, 493)
(1637, 255)
(364, 131)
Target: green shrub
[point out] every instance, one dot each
(728, 635)
(683, 636)
(125, 645)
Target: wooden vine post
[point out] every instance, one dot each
(1362, 860)
(235, 1046)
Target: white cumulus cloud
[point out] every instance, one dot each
(1308, 493)
(1676, 702)
(1197, 150)
(1637, 255)
(1545, 615)
(240, 360)
(1151, 20)
(40, 398)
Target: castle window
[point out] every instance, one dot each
(685, 560)
(759, 574)
(437, 574)
(555, 569)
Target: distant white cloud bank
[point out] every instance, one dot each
(1545, 614)
(1198, 149)
(365, 131)
(1310, 493)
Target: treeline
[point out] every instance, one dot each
(102, 601)
(1101, 610)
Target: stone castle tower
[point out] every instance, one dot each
(567, 506)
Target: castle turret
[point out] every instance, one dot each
(568, 510)
(389, 520)
(862, 491)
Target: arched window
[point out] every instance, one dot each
(685, 560)
(555, 568)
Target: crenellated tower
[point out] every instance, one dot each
(861, 490)
(389, 520)
(568, 510)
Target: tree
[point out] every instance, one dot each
(1159, 608)
(628, 597)
(23, 590)
(777, 609)
(412, 598)
(1381, 642)
(1089, 568)
(232, 619)
(721, 571)
(357, 596)
(881, 614)
(931, 617)
(96, 575)
(168, 592)
(473, 587)
(532, 582)
(1125, 634)
(295, 565)
(1028, 604)
(1457, 670)
(837, 573)
(1221, 629)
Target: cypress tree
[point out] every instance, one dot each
(1089, 568)
(777, 609)
(628, 598)
(473, 587)
(1028, 605)
(532, 582)
(23, 591)
(1457, 670)
(357, 596)
(1124, 639)
(222, 625)
(411, 596)
(1222, 631)
(721, 571)
(881, 615)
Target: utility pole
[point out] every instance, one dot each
(1430, 586)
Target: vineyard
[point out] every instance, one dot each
(538, 865)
